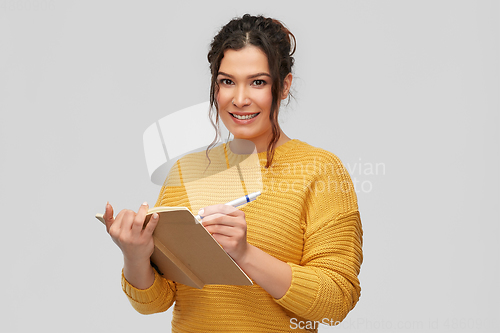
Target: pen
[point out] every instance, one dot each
(238, 202)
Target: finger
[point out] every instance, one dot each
(108, 212)
(227, 230)
(220, 219)
(153, 222)
(226, 242)
(108, 216)
(220, 238)
(222, 209)
(218, 229)
(139, 219)
(124, 219)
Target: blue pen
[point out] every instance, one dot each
(238, 202)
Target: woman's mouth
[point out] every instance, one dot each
(245, 117)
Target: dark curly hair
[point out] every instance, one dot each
(276, 41)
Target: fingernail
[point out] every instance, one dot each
(106, 207)
(155, 216)
(144, 203)
(201, 212)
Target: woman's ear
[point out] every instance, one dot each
(287, 84)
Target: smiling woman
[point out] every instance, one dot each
(244, 96)
(259, 50)
(299, 242)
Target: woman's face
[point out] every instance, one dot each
(244, 95)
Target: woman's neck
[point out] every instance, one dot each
(243, 146)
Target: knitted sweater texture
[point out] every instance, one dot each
(306, 216)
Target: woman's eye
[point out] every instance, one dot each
(225, 81)
(259, 82)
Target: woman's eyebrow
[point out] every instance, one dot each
(259, 74)
(225, 74)
(250, 77)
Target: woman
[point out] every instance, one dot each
(300, 241)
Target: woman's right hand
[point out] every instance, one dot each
(127, 232)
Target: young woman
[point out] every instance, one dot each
(300, 241)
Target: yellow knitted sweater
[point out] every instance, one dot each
(307, 216)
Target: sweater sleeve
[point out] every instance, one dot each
(162, 294)
(325, 284)
(157, 298)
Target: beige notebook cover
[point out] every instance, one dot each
(185, 252)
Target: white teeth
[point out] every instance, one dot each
(244, 117)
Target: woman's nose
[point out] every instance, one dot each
(241, 98)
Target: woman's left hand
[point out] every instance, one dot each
(229, 227)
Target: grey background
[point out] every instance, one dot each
(410, 86)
